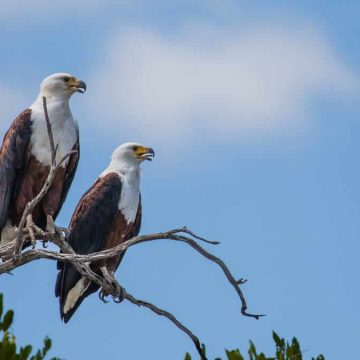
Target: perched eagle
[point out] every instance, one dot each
(25, 156)
(108, 214)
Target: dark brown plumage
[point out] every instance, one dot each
(97, 224)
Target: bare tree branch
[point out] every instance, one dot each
(13, 257)
(172, 318)
(50, 133)
(70, 256)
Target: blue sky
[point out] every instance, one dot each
(253, 112)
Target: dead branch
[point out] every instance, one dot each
(50, 134)
(171, 317)
(70, 256)
(13, 257)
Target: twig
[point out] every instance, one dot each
(171, 317)
(50, 133)
(225, 269)
(188, 231)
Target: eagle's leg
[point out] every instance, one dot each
(110, 278)
(50, 226)
(31, 228)
(106, 274)
(103, 294)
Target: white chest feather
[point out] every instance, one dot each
(64, 130)
(130, 196)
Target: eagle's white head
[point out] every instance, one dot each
(127, 158)
(132, 153)
(61, 85)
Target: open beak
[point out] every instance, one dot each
(80, 86)
(77, 85)
(144, 153)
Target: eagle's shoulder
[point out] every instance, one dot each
(20, 128)
(14, 153)
(95, 213)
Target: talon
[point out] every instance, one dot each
(102, 295)
(120, 298)
(110, 279)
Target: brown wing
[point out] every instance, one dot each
(89, 226)
(69, 175)
(14, 154)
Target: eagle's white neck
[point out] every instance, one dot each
(121, 168)
(53, 102)
(64, 128)
(130, 187)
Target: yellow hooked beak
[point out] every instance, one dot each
(76, 85)
(144, 153)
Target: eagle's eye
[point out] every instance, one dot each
(66, 78)
(135, 148)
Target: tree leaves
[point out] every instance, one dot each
(8, 349)
(7, 321)
(283, 351)
(233, 355)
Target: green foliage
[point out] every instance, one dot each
(8, 348)
(233, 355)
(283, 351)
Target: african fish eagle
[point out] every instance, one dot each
(25, 156)
(108, 214)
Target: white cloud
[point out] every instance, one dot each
(215, 79)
